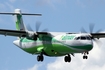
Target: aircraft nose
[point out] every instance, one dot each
(16, 42)
(90, 45)
(90, 42)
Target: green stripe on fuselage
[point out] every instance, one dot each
(26, 40)
(85, 47)
(31, 40)
(54, 50)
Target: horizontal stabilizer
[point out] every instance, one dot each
(21, 14)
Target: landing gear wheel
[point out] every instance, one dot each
(67, 58)
(40, 58)
(85, 57)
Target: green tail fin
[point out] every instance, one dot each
(19, 21)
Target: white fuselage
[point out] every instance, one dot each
(63, 41)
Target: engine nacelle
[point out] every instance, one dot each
(32, 35)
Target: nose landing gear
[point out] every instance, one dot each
(85, 56)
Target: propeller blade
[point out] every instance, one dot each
(45, 30)
(97, 41)
(29, 28)
(100, 30)
(91, 27)
(83, 30)
(38, 24)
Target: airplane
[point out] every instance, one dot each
(52, 44)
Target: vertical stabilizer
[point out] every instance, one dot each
(19, 21)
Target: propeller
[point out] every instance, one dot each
(37, 27)
(43, 37)
(91, 28)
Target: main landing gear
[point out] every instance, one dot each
(85, 56)
(67, 58)
(40, 57)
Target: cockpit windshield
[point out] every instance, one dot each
(83, 38)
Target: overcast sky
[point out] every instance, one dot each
(57, 16)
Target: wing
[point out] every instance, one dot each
(98, 35)
(13, 33)
(17, 33)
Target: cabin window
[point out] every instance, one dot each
(78, 38)
(88, 38)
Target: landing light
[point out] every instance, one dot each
(55, 52)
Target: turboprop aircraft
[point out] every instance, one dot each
(53, 44)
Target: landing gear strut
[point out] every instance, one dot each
(67, 58)
(40, 58)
